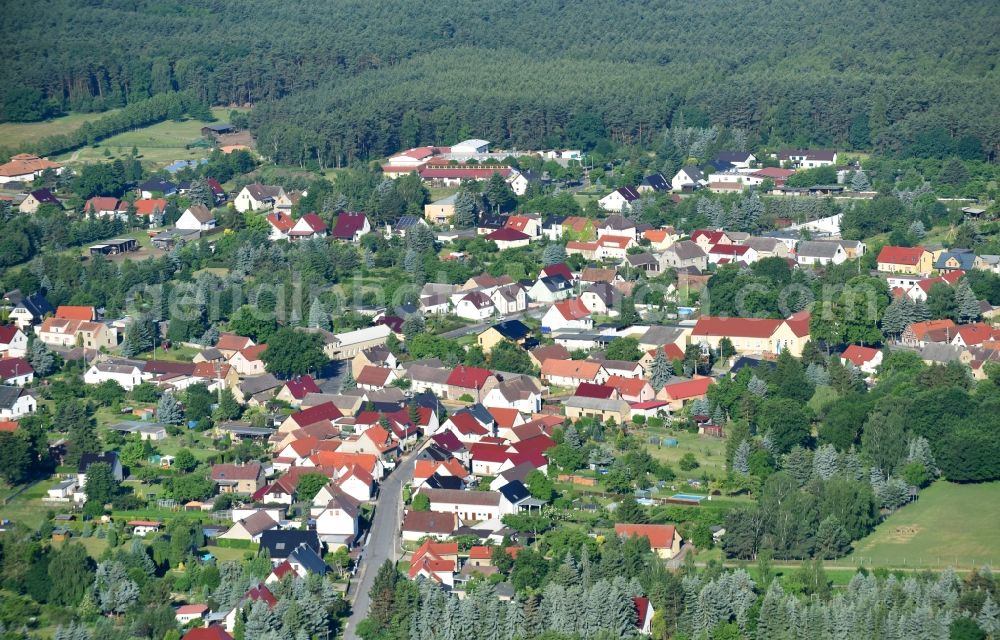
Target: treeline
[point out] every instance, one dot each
(915, 78)
(137, 114)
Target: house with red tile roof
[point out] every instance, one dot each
(507, 238)
(13, 342)
(475, 382)
(211, 632)
(732, 253)
(754, 336)
(631, 389)
(916, 334)
(680, 393)
(105, 207)
(372, 377)
(229, 343)
(913, 260)
(558, 269)
(296, 389)
(308, 226)
(350, 226)
(281, 225)
(664, 540)
(865, 358)
(436, 561)
(570, 314)
(151, 208)
(248, 362)
(312, 415)
(643, 615)
(571, 373)
(66, 312)
(599, 391)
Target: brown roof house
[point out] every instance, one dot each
(432, 524)
(244, 478)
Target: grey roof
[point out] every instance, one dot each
(201, 213)
(638, 259)
(686, 250)
(433, 375)
(517, 472)
(600, 404)
(693, 172)
(480, 498)
(263, 191)
(617, 223)
(605, 291)
(619, 365)
(656, 181)
(109, 458)
(308, 557)
(257, 522)
(446, 200)
(817, 248)
(9, 395)
(965, 258)
(940, 352)
(211, 353)
(555, 283)
(733, 156)
(760, 243)
(255, 384)
(659, 336)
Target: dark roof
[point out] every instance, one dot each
(348, 224)
(733, 156)
(693, 172)
(9, 395)
(720, 165)
(308, 556)
(743, 362)
(406, 222)
(45, 196)
(629, 193)
(281, 542)
(37, 304)
(618, 223)
(656, 181)
(444, 482)
(158, 185)
(515, 491)
(555, 283)
(87, 459)
(512, 329)
(435, 452)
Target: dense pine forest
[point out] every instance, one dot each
(354, 79)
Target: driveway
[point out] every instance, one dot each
(383, 540)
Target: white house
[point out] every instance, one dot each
(16, 402)
(126, 374)
(688, 177)
(197, 217)
(819, 252)
(511, 298)
(471, 147)
(13, 342)
(255, 197)
(471, 506)
(338, 521)
(614, 247)
(568, 314)
(475, 306)
(619, 200)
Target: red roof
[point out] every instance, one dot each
(641, 610)
(8, 426)
(920, 329)
(505, 417)
(282, 570)
(900, 255)
(660, 536)
(480, 553)
(713, 236)
(149, 206)
(773, 173)
(315, 222)
(11, 367)
(374, 376)
(534, 446)
(591, 390)
(466, 424)
(7, 333)
(559, 269)
(672, 351)
(799, 323)
(102, 203)
(260, 592)
(859, 355)
(688, 389)
(729, 249)
(281, 221)
(419, 153)
(76, 313)
(462, 173)
(743, 327)
(489, 452)
(325, 411)
(232, 342)
(302, 385)
(627, 386)
(214, 632)
(468, 377)
(348, 224)
(192, 608)
(508, 235)
(253, 353)
(650, 404)
(572, 309)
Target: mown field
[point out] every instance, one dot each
(14, 134)
(949, 525)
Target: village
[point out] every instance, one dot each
(443, 431)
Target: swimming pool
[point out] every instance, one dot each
(687, 497)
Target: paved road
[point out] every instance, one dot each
(383, 541)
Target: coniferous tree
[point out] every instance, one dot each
(757, 387)
(43, 361)
(554, 253)
(465, 210)
(859, 181)
(741, 459)
(661, 370)
(168, 410)
(966, 302)
(138, 336)
(826, 461)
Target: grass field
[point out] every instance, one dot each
(710, 452)
(949, 525)
(14, 134)
(158, 144)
